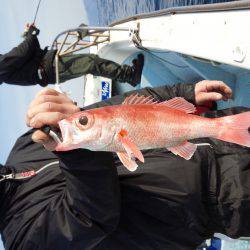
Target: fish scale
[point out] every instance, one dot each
(157, 130)
(141, 123)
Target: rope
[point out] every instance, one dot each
(137, 42)
(160, 58)
(151, 52)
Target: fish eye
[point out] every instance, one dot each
(83, 120)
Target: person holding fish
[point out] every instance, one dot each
(72, 194)
(28, 64)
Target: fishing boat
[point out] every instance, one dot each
(180, 45)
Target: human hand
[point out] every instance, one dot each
(48, 108)
(211, 91)
(30, 29)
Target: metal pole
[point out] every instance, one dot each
(106, 28)
(62, 44)
(37, 8)
(57, 85)
(93, 28)
(57, 69)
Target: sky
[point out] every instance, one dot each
(53, 17)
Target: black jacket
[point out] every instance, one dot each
(20, 65)
(90, 201)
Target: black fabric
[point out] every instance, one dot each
(76, 65)
(159, 94)
(229, 178)
(20, 65)
(49, 68)
(90, 201)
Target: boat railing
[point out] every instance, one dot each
(83, 37)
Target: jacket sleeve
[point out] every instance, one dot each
(13, 60)
(160, 94)
(92, 191)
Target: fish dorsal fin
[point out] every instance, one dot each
(136, 99)
(180, 104)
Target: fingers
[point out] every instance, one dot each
(203, 97)
(48, 91)
(52, 103)
(43, 96)
(48, 108)
(50, 98)
(51, 92)
(46, 118)
(41, 137)
(212, 91)
(67, 108)
(221, 87)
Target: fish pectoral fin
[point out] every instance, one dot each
(185, 150)
(129, 146)
(64, 147)
(127, 161)
(180, 104)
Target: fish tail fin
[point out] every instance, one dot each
(235, 129)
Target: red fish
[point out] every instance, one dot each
(141, 123)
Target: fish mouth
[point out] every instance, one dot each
(66, 134)
(69, 136)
